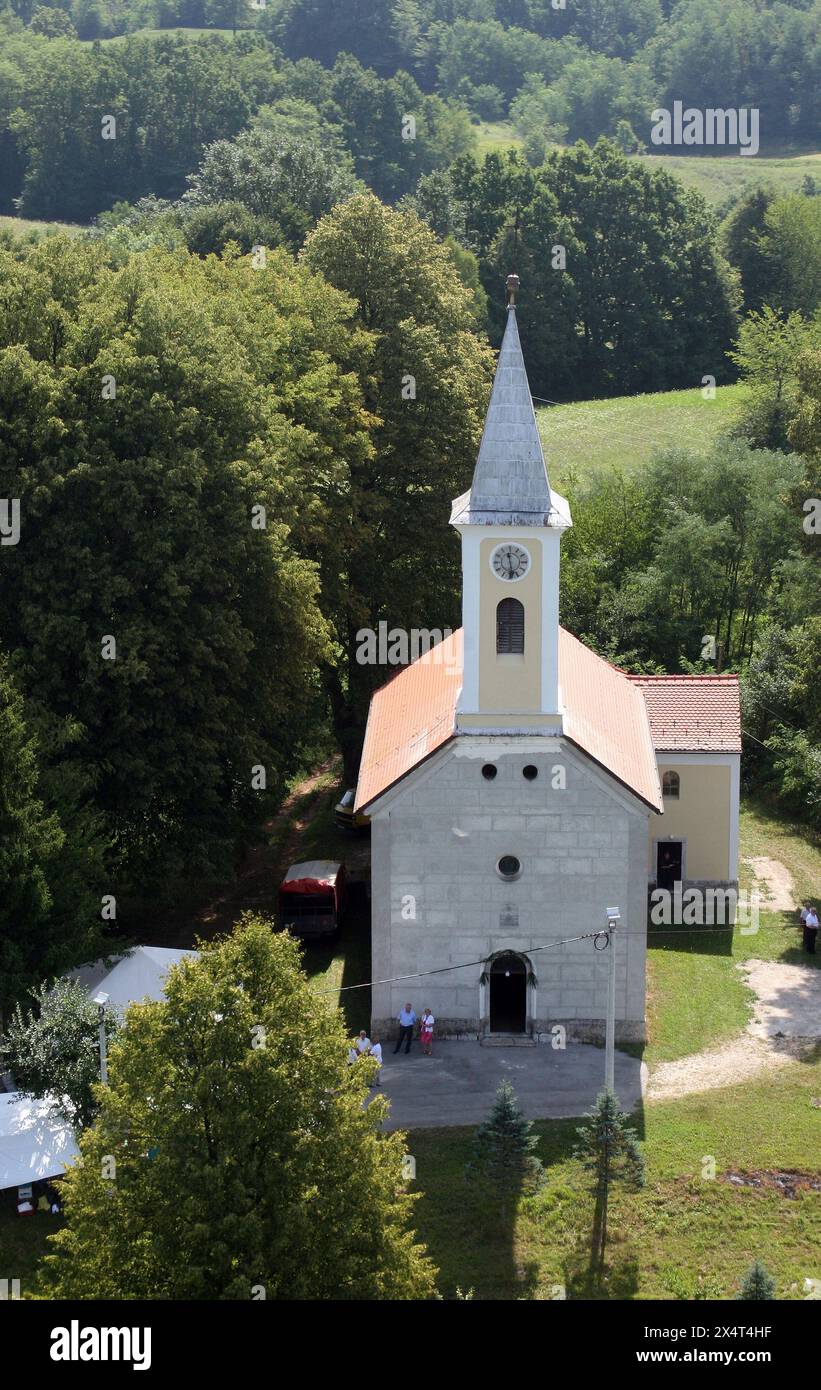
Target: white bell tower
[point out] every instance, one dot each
(511, 524)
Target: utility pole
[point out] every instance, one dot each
(101, 999)
(613, 917)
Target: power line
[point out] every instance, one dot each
(531, 951)
(464, 965)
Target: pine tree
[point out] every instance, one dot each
(758, 1285)
(608, 1148)
(503, 1151)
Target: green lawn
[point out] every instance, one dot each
(696, 997)
(682, 1236)
(626, 431)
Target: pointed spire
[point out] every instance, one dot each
(510, 486)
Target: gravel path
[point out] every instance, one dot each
(786, 1022)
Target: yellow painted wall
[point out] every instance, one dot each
(701, 816)
(510, 682)
(519, 721)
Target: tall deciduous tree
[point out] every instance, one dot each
(168, 427)
(53, 1049)
(427, 382)
(244, 1154)
(51, 852)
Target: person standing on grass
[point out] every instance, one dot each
(406, 1020)
(426, 1032)
(810, 930)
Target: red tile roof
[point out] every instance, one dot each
(414, 714)
(605, 717)
(410, 717)
(692, 714)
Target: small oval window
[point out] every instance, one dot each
(509, 866)
(530, 772)
(489, 771)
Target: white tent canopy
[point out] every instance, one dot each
(35, 1143)
(136, 976)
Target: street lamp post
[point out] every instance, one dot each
(101, 999)
(613, 917)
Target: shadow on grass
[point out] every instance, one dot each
(467, 1224)
(587, 1275)
(694, 941)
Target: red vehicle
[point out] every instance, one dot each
(312, 898)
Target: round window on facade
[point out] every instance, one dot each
(508, 866)
(530, 772)
(489, 771)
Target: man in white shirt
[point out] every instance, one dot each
(363, 1043)
(810, 930)
(376, 1051)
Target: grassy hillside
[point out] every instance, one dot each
(730, 175)
(628, 430)
(23, 228)
(718, 177)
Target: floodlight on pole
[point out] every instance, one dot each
(101, 999)
(613, 918)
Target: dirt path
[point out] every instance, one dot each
(786, 1023)
(775, 882)
(259, 878)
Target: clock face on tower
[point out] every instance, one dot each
(510, 561)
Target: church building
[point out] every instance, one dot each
(519, 786)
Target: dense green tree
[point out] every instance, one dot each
(394, 132)
(638, 300)
(29, 840)
(265, 1165)
(149, 414)
(51, 22)
(767, 355)
(51, 847)
(692, 545)
(475, 55)
(732, 55)
(168, 97)
(284, 178)
(792, 246)
(742, 234)
(372, 30)
(427, 385)
(53, 1049)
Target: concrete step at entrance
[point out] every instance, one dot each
(507, 1040)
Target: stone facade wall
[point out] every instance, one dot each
(437, 898)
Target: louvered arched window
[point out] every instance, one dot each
(510, 626)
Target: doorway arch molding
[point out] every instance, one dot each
(532, 984)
